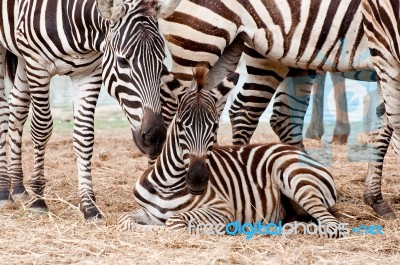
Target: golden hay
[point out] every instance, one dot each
(63, 237)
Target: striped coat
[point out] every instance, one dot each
(194, 181)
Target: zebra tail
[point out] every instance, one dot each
(11, 65)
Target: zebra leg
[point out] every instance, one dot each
(41, 129)
(19, 108)
(314, 194)
(290, 107)
(4, 112)
(197, 220)
(342, 127)
(253, 98)
(88, 88)
(377, 16)
(220, 215)
(379, 141)
(127, 221)
(316, 128)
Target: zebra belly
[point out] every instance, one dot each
(252, 196)
(335, 41)
(336, 61)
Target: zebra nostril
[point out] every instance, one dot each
(147, 138)
(144, 135)
(154, 137)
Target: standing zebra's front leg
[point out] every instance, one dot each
(19, 108)
(379, 141)
(4, 179)
(88, 88)
(342, 127)
(41, 129)
(316, 127)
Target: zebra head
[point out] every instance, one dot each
(132, 65)
(196, 123)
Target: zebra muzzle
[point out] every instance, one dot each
(151, 137)
(197, 176)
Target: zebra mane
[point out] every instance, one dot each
(200, 76)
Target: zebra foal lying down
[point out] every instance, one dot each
(197, 182)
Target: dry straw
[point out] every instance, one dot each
(63, 237)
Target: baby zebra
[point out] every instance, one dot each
(195, 182)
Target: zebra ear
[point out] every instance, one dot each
(111, 9)
(221, 91)
(171, 86)
(162, 8)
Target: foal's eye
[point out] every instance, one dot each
(123, 62)
(215, 127)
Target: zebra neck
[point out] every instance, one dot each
(169, 168)
(90, 27)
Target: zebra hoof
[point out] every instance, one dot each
(4, 198)
(3, 203)
(313, 135)
(389, 216)
(379, 206)
(340, 139)
(38, 207)
(126, 222)
(20, 196)
(384, 210)
(93, 215)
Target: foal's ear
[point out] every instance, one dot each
(111, 9)
(221, 91)
(162, 8)
(171, 85)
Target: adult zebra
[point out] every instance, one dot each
(194, 182)
(330, 38)
(192, 39)
(79, 39)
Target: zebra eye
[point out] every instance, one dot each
(215, 127)
(123, 62)
(179, 123)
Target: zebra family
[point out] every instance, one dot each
(90, 41)
(326, 36)
(197, 182)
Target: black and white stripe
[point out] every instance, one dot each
(311, 34)
(69, 38)
(326, 36)
(192, 181)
